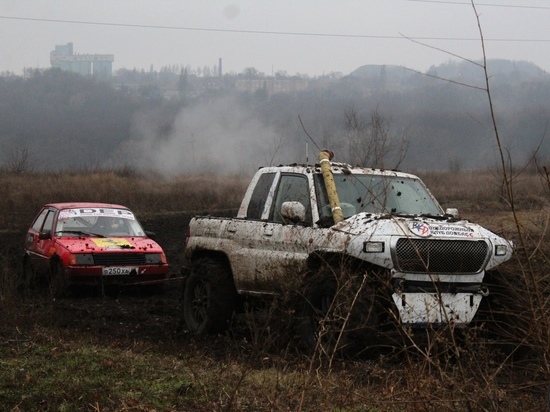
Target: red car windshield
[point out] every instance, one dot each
(97, 222)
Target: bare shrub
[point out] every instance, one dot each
(19, 160)
(524, 294)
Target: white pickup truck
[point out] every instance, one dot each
(360, 247)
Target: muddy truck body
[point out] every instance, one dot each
(317, 232)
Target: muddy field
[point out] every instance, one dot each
(140, 322)
(126, 314)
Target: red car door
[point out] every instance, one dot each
(39, 241)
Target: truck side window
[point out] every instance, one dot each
(259, 196)
(292, 188)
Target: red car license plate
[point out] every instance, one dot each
(119, 271)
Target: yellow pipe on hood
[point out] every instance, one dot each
(324, 160)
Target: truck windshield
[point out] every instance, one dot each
(377, 194)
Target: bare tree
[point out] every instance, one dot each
(19, 160)
(455, 164)
(370, 142)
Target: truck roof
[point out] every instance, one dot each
(336, 168)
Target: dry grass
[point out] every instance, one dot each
(46, 365)
(476, 189)
(23, 195)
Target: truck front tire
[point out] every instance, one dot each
(333, 318)
(210, 297)
(317, 326)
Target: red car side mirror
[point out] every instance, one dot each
(47, 234)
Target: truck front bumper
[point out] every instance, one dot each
(424, 309)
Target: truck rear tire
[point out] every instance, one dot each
(209, 298)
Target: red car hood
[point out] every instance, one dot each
(109, 244)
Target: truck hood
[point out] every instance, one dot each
(109, 244)
(411, 226)
(366, 227)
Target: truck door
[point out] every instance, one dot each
(283, 250)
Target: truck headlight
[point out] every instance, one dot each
(501, 250)
(373, 247)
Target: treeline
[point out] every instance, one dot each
(178, 122)
(60, 120)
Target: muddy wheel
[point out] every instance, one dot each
(209, 298)
(59, 282)
(318, 327)
(338, 314)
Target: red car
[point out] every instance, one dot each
(91, 244)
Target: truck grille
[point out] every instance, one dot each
(440, 256)
(119, 259)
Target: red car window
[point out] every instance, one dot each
(44, 221)
(48, 222)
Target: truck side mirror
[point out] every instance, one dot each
(451, 211)
(293, 211)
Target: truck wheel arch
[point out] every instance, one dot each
(215, 256)
(211, 255)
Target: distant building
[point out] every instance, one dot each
(272, 85)
(96, 65)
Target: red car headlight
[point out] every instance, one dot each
(85, 259)
(155, 258)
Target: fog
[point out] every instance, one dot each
(54, 120)
(216, 137)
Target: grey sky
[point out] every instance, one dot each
(311, 37)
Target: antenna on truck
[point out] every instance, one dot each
(307, 134)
